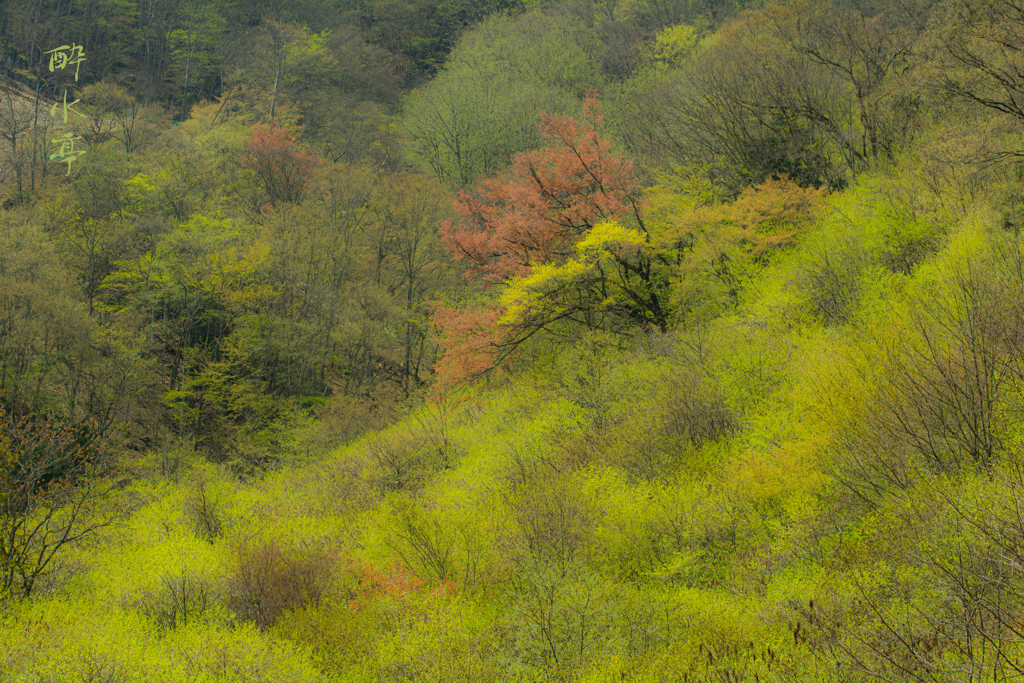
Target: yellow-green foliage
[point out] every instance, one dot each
(60, 639)
(815, 476)
(539, 294)
(673, 46)
(642, 511)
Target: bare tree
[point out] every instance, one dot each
(15, 121)
(978, 44)
(945, 389)
(55, 481)
(944, 605)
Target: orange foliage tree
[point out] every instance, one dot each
(550, 199)
(282, 168)
(554, 195)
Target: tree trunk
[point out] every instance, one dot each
(188, 60)
(277, 79)
(35, 139)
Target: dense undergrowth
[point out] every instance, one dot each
(732, 389)
(808, 488)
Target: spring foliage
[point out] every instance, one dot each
(759, 337)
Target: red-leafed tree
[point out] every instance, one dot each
(474, 342)
(554, 196)
(282, 168)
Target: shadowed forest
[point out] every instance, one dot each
(511, 340)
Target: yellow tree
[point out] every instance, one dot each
(721, 244)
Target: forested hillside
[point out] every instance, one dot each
(632, 340)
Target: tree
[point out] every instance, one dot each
(653, 15)
(409, 208)
(481, 108)
(424, 31)
(943, 381)
(867, 52)
(316, 271)
(55, 478)
(282, 169)
(191, 45)
(474, 343)
(15, 121)
(345, 89)
(548, 232)
(553, 197)
(94, 224)
(156, 22)
(31, 29)
(979, 56)
(720, 245)
(352, 267)
(612, 283)
(730, 116)
(689, 261)
(813, 94)
(125, 123)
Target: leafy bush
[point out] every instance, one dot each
(941, 393)
(697, 411)
(831, 280)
